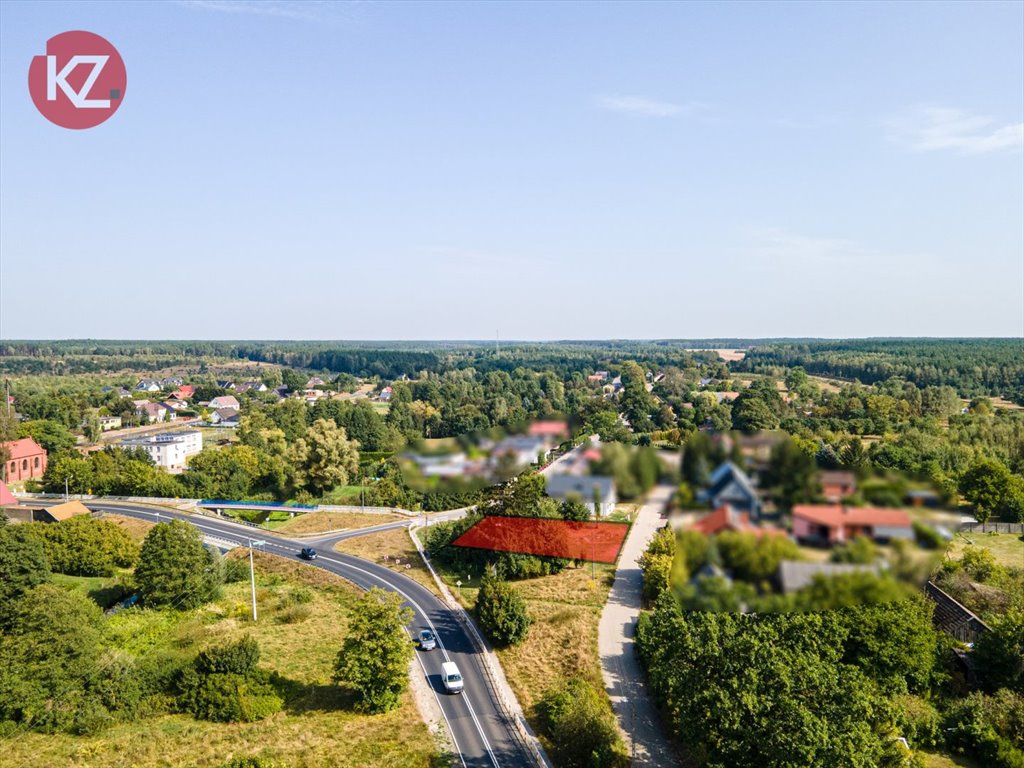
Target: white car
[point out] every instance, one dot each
(451, 677)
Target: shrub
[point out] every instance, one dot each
(927, 537)
(918, 721)
(999, 654)
(294, 614)
(580, 727)
(83, 546)
(972, 730)
(224, 685)
(502, 612)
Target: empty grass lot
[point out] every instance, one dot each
(1008, 548)
(317, 727)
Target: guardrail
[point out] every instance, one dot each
(499, 684)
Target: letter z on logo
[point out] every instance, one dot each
(80, 82)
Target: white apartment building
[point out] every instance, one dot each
(170, 449)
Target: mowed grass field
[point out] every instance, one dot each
(1008, 548)
(319, 522)
(317, 728)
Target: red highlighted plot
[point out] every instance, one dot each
(600, 542)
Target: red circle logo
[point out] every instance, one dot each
(80, 82)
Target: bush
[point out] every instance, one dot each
(252, 762)
(918, 721)
(580, 727)
(23, 565)
(224, 685)
(83, 546)
(972, 729)
(294, 614)
(927, 537)
(502, 612)
(999, 654)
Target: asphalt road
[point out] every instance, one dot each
(484, 737)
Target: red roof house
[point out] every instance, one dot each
(835, 523)
(836, 485)
(725, 518)
(556, 429)
(27, 460)
(6, 497)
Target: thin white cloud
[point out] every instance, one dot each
(933, 128)
(639, 105)
(307, 10)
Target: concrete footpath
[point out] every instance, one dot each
(623, 676)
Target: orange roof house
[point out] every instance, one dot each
(725, 518)
(27, 460)
(835, 523)
(558, 429)
(61, 512)
(836, 485)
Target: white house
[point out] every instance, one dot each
(168, 450)
(524, 449)
(147, 385)
(224, 417)
(224, 401)
(154, 412)
(562, 487)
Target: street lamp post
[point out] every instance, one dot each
(66, 496)
(252, 575)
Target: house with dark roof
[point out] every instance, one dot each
(583, 488)
(225, 417)
(26, 460)
(834, 523)
(731, 486)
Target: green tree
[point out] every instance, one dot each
(894, 643)
(581, 727)
(860, 550)
(502, 612)
(374, 658)
(175, 569)
(987, 485)
(51, 435)
(325, 457)
(999, 654)
(793, 471)
(83, 546)
(574, 509)
(23, 565)
(49, 660)
(755, 558)
(765, 690)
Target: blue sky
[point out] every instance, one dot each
(538, 170)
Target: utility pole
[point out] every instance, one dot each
(7, 384)
(66, 497)
(252, 575)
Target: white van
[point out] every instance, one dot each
(452, 677)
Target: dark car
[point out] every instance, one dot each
(308, 553)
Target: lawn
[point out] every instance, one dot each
(935, 760)
(1008, 548)
(105, 590)
(319, 522)
(317, 728)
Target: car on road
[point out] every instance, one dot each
(427, 640)
(307, 553)
(451, 677)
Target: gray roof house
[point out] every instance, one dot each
(793, 576)
(731, 485)
(563, 487)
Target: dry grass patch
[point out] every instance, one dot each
(321, 522)
(1008, 548)
(392, 544)
(562, 641)
(134, 527)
